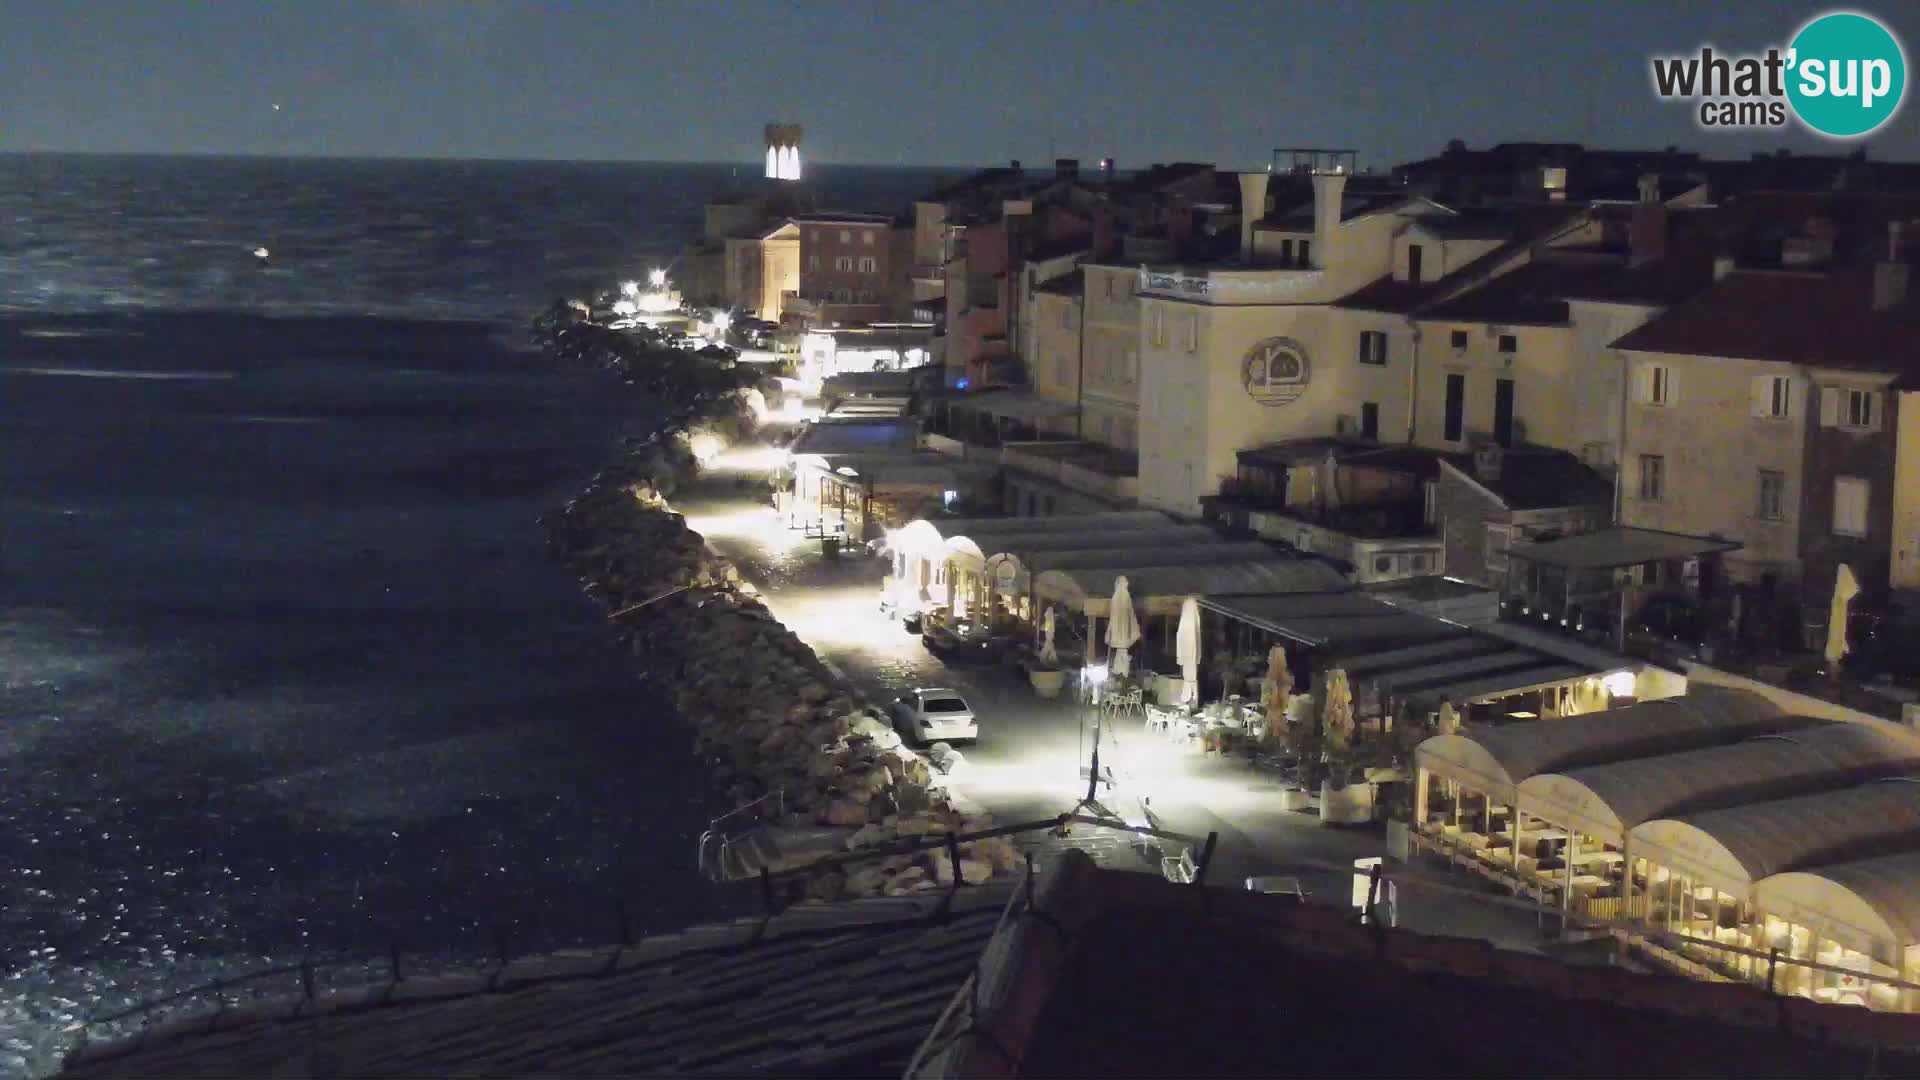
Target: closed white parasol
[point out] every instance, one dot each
(1047, 653)
(1187, 650)
(1123, 630)
(1845, 588)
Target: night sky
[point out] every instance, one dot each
(903, 82)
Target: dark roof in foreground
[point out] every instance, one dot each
(1119, 974)
(824, 990)
(1539, 478)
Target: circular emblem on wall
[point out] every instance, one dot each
(1275, 371)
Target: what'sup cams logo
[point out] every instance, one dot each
(1843, 76)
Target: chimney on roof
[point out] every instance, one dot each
(1813, 244)
(1890, 274)
(1253, 207)
(1329, 198)
(1106, 169)
(1647, 228)
(1722, 266)
(1066, 168)
(1014, 164)
(1487, 461)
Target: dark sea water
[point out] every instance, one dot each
(284, 665)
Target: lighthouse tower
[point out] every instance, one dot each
(783, 151)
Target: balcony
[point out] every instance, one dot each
(1227, 286)
(1088, 468)
(929, 274)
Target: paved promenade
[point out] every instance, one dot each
(1028, 761)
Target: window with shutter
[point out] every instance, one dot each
(1773, 495)
(1850, 505)
(1859, 411)
(1653, 477)
(1498, 539)
(1772, 397)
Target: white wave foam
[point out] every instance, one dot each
(97, 373)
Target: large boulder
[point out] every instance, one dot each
(909, 880)
(845, 812)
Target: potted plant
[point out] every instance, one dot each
(1342, 802)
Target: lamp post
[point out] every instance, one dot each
(1096, 676)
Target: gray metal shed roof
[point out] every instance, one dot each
(1107, 555)
(1619, 546)
(1156, 586)
(948, 528)
(1496, 760)
(1332, 619)
(1732, 848)
(1606, 800)
(1019, 543)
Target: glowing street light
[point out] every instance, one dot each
(721, 320)
(630, 288)
(657, 278)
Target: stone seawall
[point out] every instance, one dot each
(767, 714)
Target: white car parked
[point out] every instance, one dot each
(930, 715)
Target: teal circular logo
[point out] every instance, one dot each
(1846, 74)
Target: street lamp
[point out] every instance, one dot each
(1096, 676)
(657, 278)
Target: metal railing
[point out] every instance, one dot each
(710, 853)
(222, 993)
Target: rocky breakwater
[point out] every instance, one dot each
(767, 714)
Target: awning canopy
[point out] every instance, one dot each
(868, 435)
(1344, 619)
(1496, 760)
(1605, 549)
(1731, 849)
(939, 529)
(880, 472)
(1016, 404)
(1872, 905)
(972, 551)
(1014, 570)
(1465, 665)
(1106, 555)
(1607, 800)
(1160, 590)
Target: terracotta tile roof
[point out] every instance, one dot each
(1530, 226)
(835, 217)
(1070, 284)
(1819, 319)
(824, 990)
(1536, 294)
